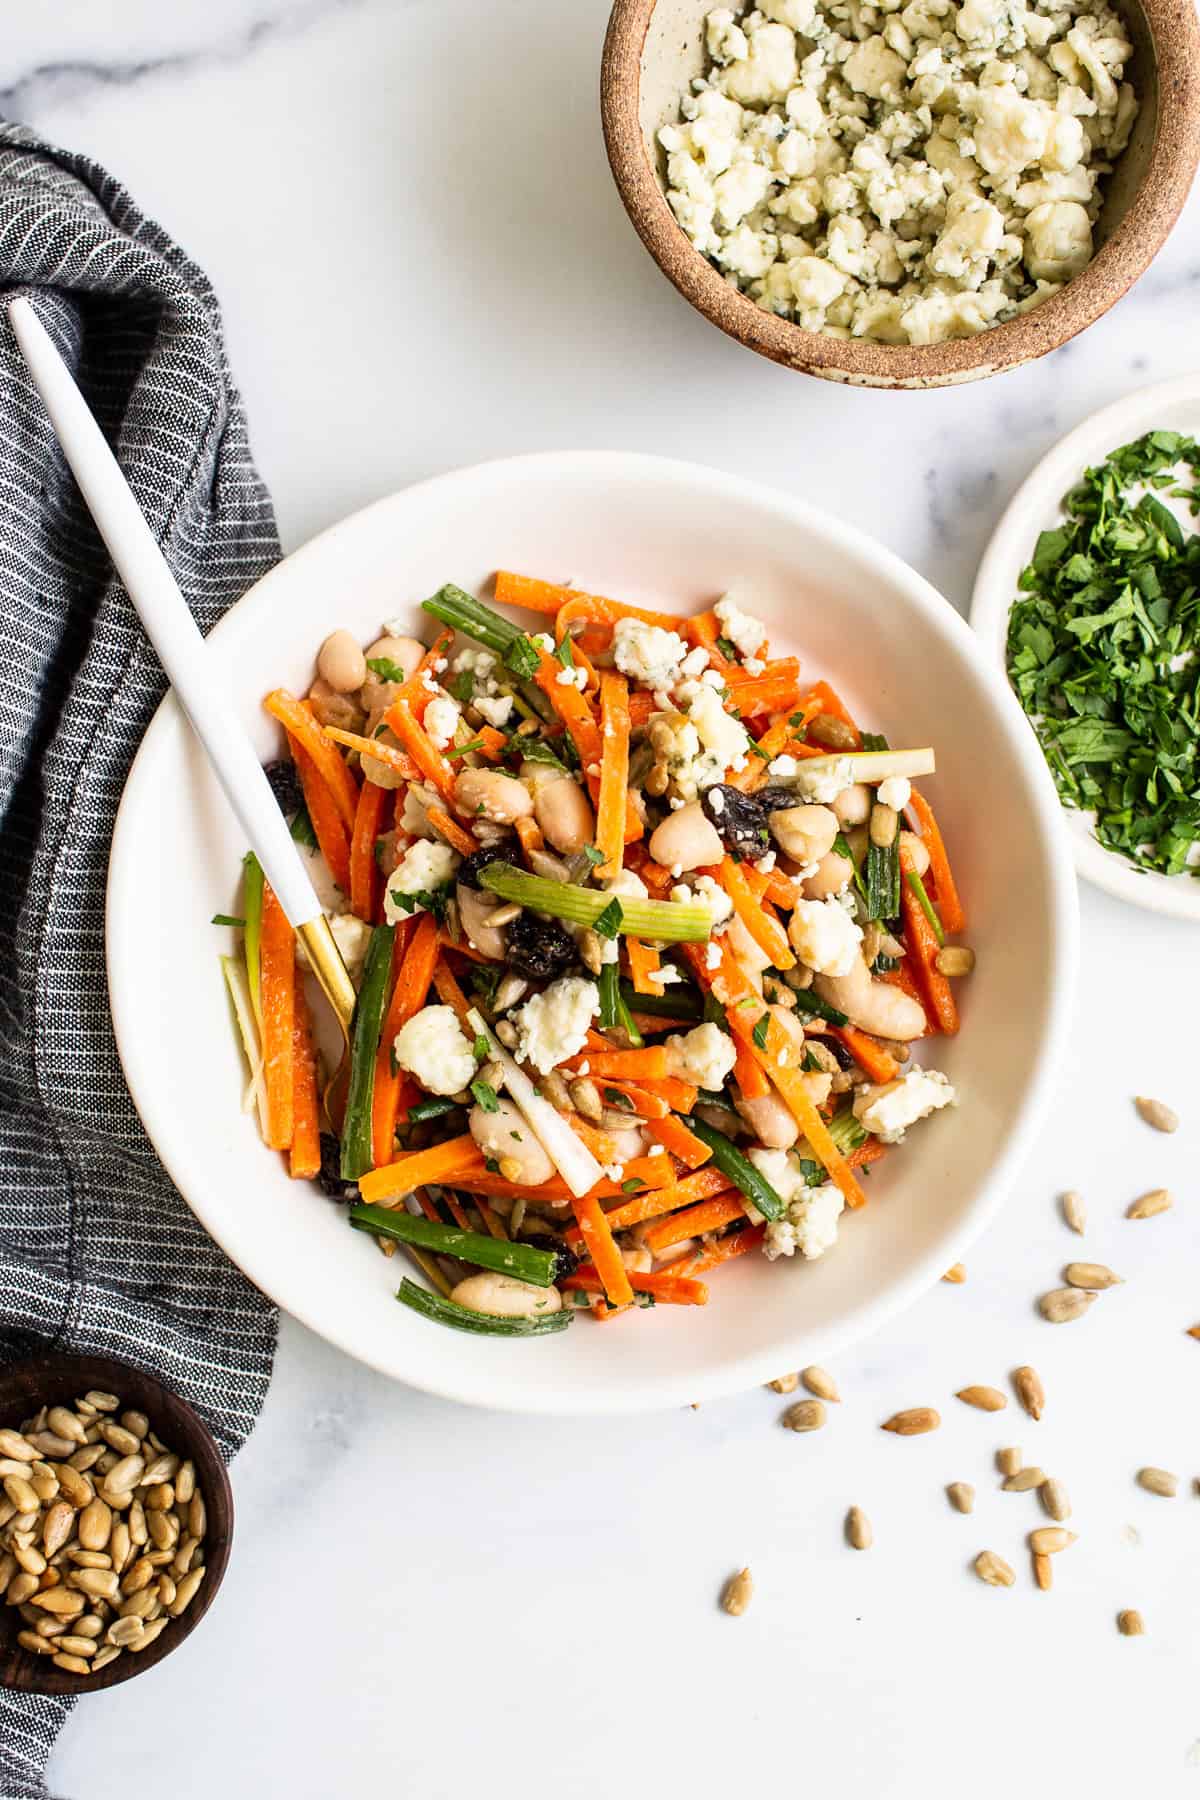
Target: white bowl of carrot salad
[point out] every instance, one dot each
(703, 895)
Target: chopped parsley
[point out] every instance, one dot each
(534, 750)
(727, 648)
(485, 1094)
(301, 828)
(759, 1034)
(1103, 651)
(593, 855)
(462, 687)
(434, 900)
(226, 919)
(522, 657)
(385, 668)
(464, 749)
(482, 1048)
(614, 1097)
(608, 923)
(632, 1185)
(564, 652)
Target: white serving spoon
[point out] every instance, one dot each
(172, 630)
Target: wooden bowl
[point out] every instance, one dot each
(52, 1379)
(655, 47)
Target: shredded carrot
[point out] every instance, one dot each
(530, 835)
(638, 1065)
(761, 924)
(297, 719)
(305, 1159)
(414, 951)
(643, 1103)
(598, 1141)
(453, 832)
(489, 742)
(420, 746)
(277, 956)
(709, 1215)
(769, 745)
(455, 1161)
(833, 704)
(641, 705)
(721, 1250)
(922, 945)
(598, 1239)
(644, 965)
(332, 837)
(449, 992)
(459, 946)
(417, 692)
(867, 1052)
(868, 1152)
(674, 1136)
(703, 1185)
(650, 1023)
(668, 1289)
(614, 773)
(752, 1082)
(384, 753)
(704, 629)
(949, 905)
(767, 694)
(545, 597)
(364, 870)
(576, 714)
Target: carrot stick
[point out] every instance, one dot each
(363, 868)
(490, 742)
(528, 592)
(674, 1136)
(643, 1104)
(454, 1161)
(297, 719)
(704, 630)
(644, 964)
(769, 745)
(420, 746)
(305, 1159)
(832, 704)
(766, 694)
(867, 1052)
(641, 705)
(417, 691)
(650, 1023)
(414, 952)
(703, 1185)
(762, 925)
(637, 1065)
(752, 1082)
(721, 1250)
(922, 945)
(277, 960)
(576, 714)
(614, 773)
(333, 839)
(449, 992)
(710, 1215)
(668, 1289)
(949, 904)
(868, 1152)
(598, 1239)
(384, 753)
(453, 833)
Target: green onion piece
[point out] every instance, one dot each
(927, 906)
(455, 607)
(227, 919)
(252, 893)
(485, 1096)
(431, 1109)
(729, 1159)
(808, 1002)
(522, 1260)
(606, 924)
(883, 880)
(613, 1009)
(464, 749)
(874, 740)
(365, 1026)
(680, 1001)
(533, 750)
(846, 1132)
(665, 921)
(448, 1312)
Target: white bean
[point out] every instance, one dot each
(874, 1006)
(853, 804)
(485, 793)
(686, 840)
(331, 708)
(405, 652)
(341, 663)
(564, 813)
(380, 774)
(917, 849)
(805, 833)
(504, 1297)
(504, 1135)
(770, 1121)
(474, 907)
(834, 872)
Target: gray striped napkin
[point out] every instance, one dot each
(97, 1250)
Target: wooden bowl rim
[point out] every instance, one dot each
(62, 1377)
(1174, 31)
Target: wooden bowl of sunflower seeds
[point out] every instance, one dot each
(116, 1518)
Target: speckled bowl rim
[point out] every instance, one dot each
(1175, 36)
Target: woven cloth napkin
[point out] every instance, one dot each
(98, 1251)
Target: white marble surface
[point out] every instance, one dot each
(407, 213)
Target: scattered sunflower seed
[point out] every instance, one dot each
(1156, 1113)
(961, 1496)
(1073, 1211)
(784, 1384)
(987, 1399)
(1048, 1540)
(956, 1273)
(858, 1529)
(806, 1415)
(1009, 1460)
(737, 1593)
(1159, 1481)
(1148, 1206)
(1065, 1304)
(993, 1569)
(913, 1421)
(1027, 1385)
(1193, 1331)
(1091, 1275)
(820, 1382)
(1130, 1623)
(1053, 1496)
(1025, 1480)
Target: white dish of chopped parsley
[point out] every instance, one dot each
(1089, 597)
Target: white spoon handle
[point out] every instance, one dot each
(164, 614)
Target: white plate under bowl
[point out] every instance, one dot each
(1037, 506)
(672, 535)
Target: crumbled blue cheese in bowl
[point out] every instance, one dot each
(905, 173)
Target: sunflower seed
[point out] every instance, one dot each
(784, 1384)
(137, 1524)
(20, 1493)
(87, 1458)
(806, 1415)
(913, 1421)
(185, 1482)
(1048, 1540)
(103, 1657)
(38, 1646)
(137, 1423)
(120, 1440)
(1130, 1623)
(164, 1530)
(106, 1403)
(1155, 1113)
(1073, 1211)
(956, 1273)
(139, 1606)
(1148, 1206)
(90, 1559)
(101, 1583)
(60, 1601)
(123, 1631)
(1053, 1496)
(1159, 1481)
(75, 1488)
(1027, 1385)
(13, 1444)
(64, 1424)
(820, 1382)
(29, 1557)
(993, 1569)
(736, 1594)
(162, 1469)
(1091, 1275)
(150, 1632)
(987, 1399)
(1024, 1481)
(76, 1646)
(20, 1588)
(1065, 1304)
(125, 1474)
(57, 1526)
(858, 1529)
(961, 1496)
(139, 1576)
(1009, 1461)
(90, 1626)
(1043, 1570)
